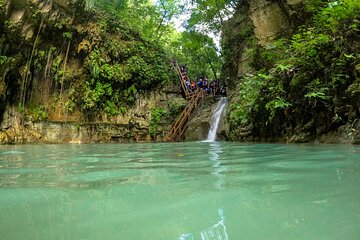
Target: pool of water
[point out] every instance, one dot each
(185, 191)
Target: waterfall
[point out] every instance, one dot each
(215, 119)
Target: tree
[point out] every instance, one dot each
(209, 15)
(199, 52)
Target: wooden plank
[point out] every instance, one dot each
(193, 101)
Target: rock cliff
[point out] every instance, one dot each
(292, 67)
(68, 74)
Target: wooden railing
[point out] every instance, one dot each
(178, 129)
(183, 77)
(193, 98)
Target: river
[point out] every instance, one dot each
(192, 190)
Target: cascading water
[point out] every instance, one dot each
(215, 119)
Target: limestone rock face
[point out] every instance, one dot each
(256, 23)
(132, 126)
(199, 125)
(269, 20)
(39, 30)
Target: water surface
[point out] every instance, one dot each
(198, 190)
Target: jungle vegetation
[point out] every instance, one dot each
(307, 82)
(98, 56)
(102, 53)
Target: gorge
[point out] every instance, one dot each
(197, 136)
(72, 71)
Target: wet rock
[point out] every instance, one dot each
(302, 137)
(199, 125)
(346, 134)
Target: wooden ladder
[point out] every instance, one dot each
(178, 129)
(183, 77)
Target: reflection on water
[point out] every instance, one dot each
(215, 232)
(214, 153)
(180, 191)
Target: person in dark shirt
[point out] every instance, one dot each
(223, 90)
(213, 87)
(205, 85)
(200, 83)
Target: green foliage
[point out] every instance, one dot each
(95, 93)
(199, 52)
(70, 103)
(77, 127)
(6, 63)
(67, 35)
(156, 115)
(38, 113)
(175, 107)
(118, 68)
(70, 106)
(56, 68)
(319, 94)
(154, 22)
(61, 23)
(306, 74)
(5, 60)
(123, 110)
(39, 58)
(210, 14)
(151, 19)
(278, 103)
(316, 90)
(111, 108)
(333, 15)
(101, 69)
(250, 92)
(130, 94)
(313, 6)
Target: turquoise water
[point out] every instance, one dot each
(201, 190)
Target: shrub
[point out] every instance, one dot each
(156, 115)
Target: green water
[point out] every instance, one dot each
(181, 191)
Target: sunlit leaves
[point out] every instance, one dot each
(199, 52)
(209, 15)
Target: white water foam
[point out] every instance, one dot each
(215, 119)
(216, 232)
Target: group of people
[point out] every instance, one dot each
(213, 87)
